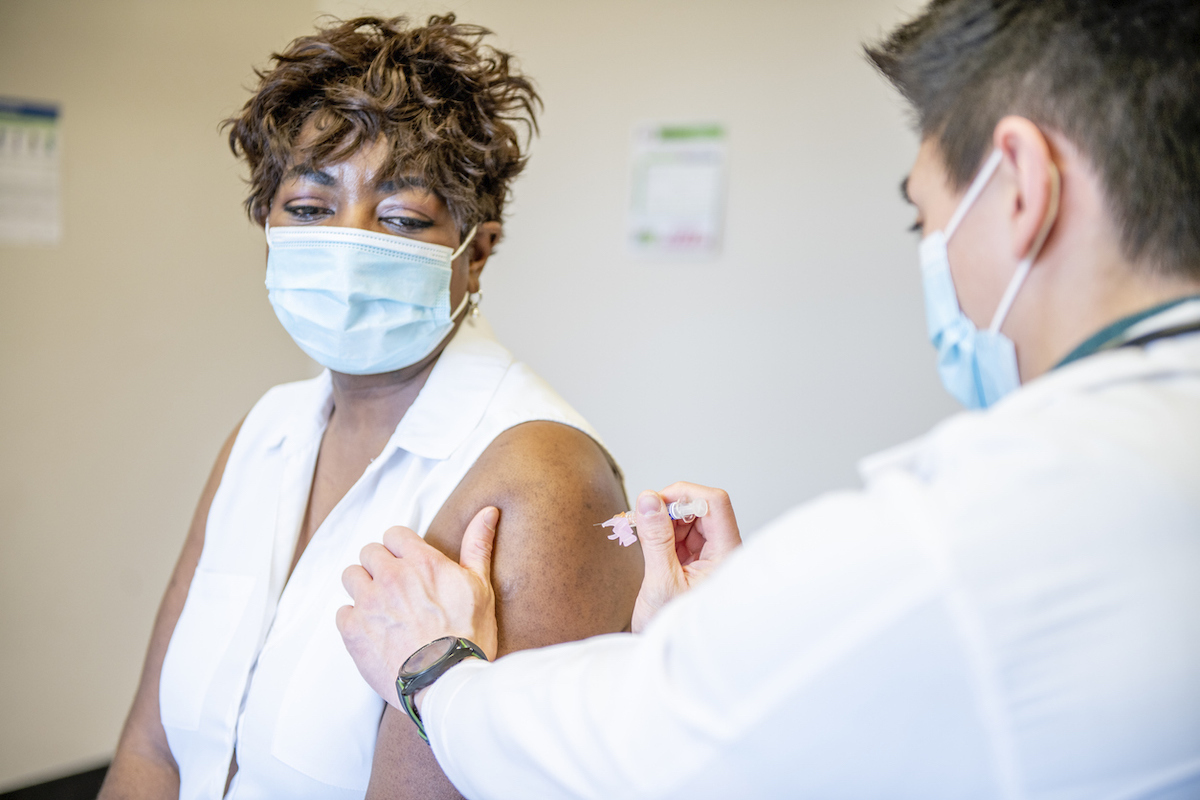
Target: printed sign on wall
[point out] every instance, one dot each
(678, 190)
(30, 195)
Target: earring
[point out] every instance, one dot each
(474, 299)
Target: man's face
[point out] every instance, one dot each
(980, 261)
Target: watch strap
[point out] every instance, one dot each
(407, 688)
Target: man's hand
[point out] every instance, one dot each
(679, 555)
(406, 594)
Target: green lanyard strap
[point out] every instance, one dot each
(1117, 334)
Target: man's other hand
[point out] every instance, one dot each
(407, 594)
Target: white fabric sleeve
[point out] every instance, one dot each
(816, 662)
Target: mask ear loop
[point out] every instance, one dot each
(974, 190)
(1010, 294)
(470, 237)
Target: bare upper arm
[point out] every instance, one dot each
(143, 757)
(557, 577)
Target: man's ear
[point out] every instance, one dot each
(1034, 183)
(487, 236)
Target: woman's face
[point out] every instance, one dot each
(355, 194)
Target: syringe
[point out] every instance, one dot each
(624, 527)
(687, 510)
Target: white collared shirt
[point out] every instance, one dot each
(1010, 608)
(261, 664)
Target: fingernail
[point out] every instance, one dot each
(490, 517)
(649, 503)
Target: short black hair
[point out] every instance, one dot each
(1119, 78)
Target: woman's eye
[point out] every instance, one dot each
(406, 224)
(917, 227)
(305, 213)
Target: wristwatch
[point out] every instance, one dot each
(427, 665)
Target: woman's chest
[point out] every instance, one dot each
(268, 661)
(340, 466)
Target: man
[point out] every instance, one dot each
(1011, 605)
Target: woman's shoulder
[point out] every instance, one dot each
(288, 409)
(525, 397)
(522, 392)
(504, 391)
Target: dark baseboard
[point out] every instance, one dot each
(80, 786)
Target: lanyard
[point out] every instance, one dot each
(1173, 318)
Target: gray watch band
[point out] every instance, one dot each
(408, 683)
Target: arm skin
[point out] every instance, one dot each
(143, 766)
(557, 578)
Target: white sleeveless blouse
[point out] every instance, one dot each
(259, 666)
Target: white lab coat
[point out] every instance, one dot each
(1010, 608)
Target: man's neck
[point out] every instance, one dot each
(1076, 310)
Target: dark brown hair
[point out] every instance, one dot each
(1119, 78)
(447, 105)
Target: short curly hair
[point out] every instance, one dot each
(447, 105)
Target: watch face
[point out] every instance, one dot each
(427, 656)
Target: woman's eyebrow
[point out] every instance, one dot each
(393, 185)
(904, 191)
(311, 174)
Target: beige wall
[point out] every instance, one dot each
(128, 352)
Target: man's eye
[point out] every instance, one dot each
(305, 213)
(406, 224)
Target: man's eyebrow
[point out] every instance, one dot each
(904, 191)
(312, 174)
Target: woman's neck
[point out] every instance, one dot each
(373, 405)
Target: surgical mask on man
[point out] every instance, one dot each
(360, 302)
(977, 367)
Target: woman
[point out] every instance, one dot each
(380, 157)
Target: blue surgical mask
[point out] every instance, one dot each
(977, 367)
(360, 302)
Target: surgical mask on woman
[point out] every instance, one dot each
(977, 367)
(360, 302)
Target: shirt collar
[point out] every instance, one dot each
(457, 394)
(1126, 365)
(307, 422)
(449, 406)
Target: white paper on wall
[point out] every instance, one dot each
(677, 185)
(30, 192)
